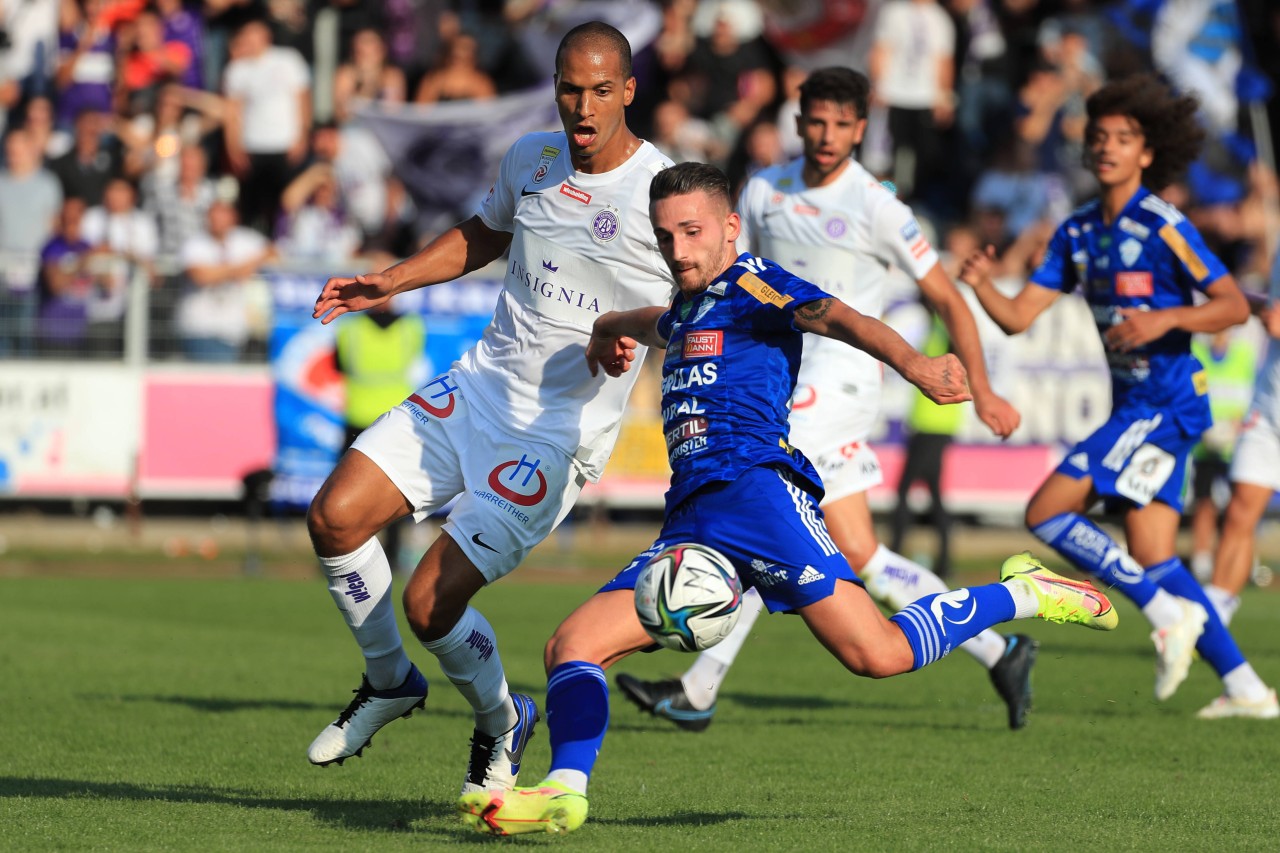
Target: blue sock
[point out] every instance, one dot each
(1216, 645)
(1084, 545)
(938, 623)
(577, 715)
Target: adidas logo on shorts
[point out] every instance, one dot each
(809, 575)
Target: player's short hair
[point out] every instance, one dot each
(838, 84)
(687, 178)
(601, 35)
(1168, 122)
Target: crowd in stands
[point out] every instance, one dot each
(180, 147)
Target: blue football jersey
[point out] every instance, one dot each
(730, 368)
(1149, 258)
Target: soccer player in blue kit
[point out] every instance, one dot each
(733, 338)
(1137, 261)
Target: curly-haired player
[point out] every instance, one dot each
(1137, 261)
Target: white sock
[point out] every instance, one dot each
(574, 780)
(360, 583)
(1202, 566)
(468, 657)
(1162, 610)
(895, 581)
(1243, 683)
(702, 680)
(1223, 601)
(1025, 601)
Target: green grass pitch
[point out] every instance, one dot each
(144, 714)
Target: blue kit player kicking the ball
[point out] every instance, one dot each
(733, 338)
(1138, 262)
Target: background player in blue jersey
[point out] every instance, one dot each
(1138, 262)
(733, 337)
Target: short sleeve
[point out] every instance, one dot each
(774, 294)
(896, 238)
(1055, 270)
(1194, 257)
(664, 324)
(498, 211)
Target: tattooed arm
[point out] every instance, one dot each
(942, 379)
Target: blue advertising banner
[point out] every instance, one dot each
(308, 388)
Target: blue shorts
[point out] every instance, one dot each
(1138, 456)
(769, 527)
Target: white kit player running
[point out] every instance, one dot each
(514, 428)
(1255, 469)
(829, 220)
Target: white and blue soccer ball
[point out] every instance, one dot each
(688, 597)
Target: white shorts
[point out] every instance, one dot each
(512, 492)
(830, 425)
(1257, 454)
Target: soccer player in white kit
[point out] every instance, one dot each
(1255, 471)
(829, 220)
(514, 428)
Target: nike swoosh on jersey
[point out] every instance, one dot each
(475, 537)
(526, 191)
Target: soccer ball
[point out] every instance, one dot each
(688, 597)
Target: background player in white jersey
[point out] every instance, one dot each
(1255, 472)
(514, 428)
(825, 217)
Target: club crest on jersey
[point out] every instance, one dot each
(836, 227)
(1130, 251)
(703, 344)
(520, 490)
(605, 225)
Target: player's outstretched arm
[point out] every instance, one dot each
(942, 379)
(615, 336)
(465, 247)
(1012, 315)
(1226, 307)
(993, 410)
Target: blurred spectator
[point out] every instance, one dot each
(727, 81)
(222, 19)
(67, 286)
(268, 120)
(1021, 194)
(179, 203)
(1050, 120)
(153, 139)
(30, 199)
(375, 200)
(185, 26)
(984, 94)
(85, 170)
(38, 121)
(119, 227)
(213, 313)
(315, 226)
(792, 77)
(913, 73)
(367, 75)
(682, 137)
(760, 145)
(290, 23)
(27, 62)
(151, 60)
(411, 30)
(675, 41)
(86, 61)
(457, 76)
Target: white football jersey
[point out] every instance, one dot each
(843, 237)
(582, 245)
